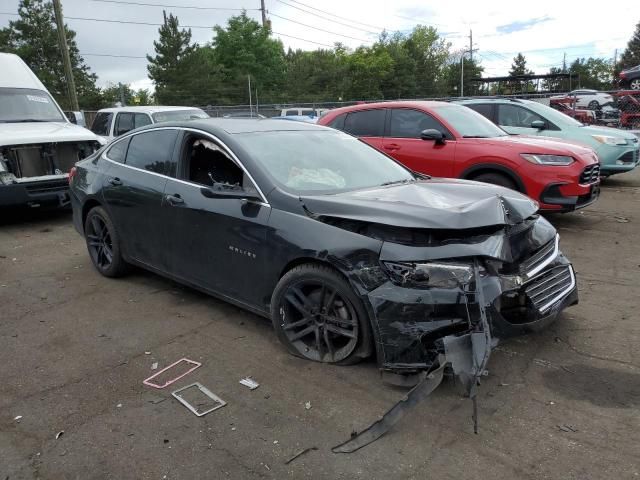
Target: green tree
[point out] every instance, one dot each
(114, 93)
(519, 68)
(472, 69)
(593, 73)
(631, 56)
(400, 82)
(430, 54)
(142, 97)
(244, 48)
(34, 38)
(167, 68)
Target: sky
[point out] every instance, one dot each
(543, 31)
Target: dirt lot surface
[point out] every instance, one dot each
(75, 347)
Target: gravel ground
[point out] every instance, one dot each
(75, 347)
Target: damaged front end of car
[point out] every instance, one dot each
(36, 174)
(441, 298)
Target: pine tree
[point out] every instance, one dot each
(34, 38)
(631, 56)
(168, 68)
(519, 66)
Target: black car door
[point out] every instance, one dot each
(215, 243)
(133, 192)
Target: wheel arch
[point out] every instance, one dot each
(481, 168)
(86, 208)
(374, 349)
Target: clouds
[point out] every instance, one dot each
(500, 29)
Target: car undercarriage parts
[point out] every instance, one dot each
(418, 393)
(191, 364)
(467, 354)
(199, 406)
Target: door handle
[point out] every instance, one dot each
(392, 146)
(174, 199)
(115, 181)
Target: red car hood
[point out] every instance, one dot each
(543, 145)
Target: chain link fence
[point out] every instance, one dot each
(615, 108)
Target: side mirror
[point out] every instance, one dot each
(433, 134)
(539, 124)
(222, 193)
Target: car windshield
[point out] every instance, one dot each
(28, 105)
(469, 123)
(178, 115)
(554, 116)
(321, 161)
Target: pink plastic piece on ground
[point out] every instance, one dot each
(149, 383)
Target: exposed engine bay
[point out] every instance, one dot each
(43, 161)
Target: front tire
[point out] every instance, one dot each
(317, 316)
(103, 243)
(496, 179)
(594, 105)
(634, 84)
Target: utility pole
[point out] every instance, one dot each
(470, 52)
(64, 49)
(250, 103)
(264, 14)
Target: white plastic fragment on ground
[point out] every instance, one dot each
(154, 365)
(216, 401)
(307, 405)
(250, 382)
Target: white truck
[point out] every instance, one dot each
(38, 144)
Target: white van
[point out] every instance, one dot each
(38, 144)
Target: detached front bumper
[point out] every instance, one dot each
(44, 193)
(412, 323)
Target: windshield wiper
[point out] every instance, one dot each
(395, 182)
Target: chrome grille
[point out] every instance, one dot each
(540, 259)
(549, 287)
(590, 174)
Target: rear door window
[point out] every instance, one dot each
(153, 151)
(365, 123)
(408, 123)
(516, 116)
(484, 109)
(141, 119)
(124, 123)
(101, 123)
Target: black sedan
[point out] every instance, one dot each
(345, 250)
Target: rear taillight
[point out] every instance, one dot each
(72, 173)
(623, 75)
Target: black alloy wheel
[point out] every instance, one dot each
(594, 105)
(102, 243)
(318, 317)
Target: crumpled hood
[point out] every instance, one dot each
(436, 204)
(43, 132)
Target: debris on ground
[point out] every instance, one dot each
(18, 418)
(59, 434)
(567, 428)
(299, 454)
(119, 405)
(621, 219)
(192, 366)
(207, 403)
(249, 382)
(147, 353)
(307, 405)
(154, 366)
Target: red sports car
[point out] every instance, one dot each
(448, 140)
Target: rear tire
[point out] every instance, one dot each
(317, 316)
(496, 179)
(103, 243)
(594, 105)
(634, 84)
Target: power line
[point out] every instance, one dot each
(122, 2)
(303, 39)
(420, 21)
(337, 16)
(318, 28)
(326, 18)
(109, 55)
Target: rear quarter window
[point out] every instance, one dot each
(152, 151)
(118, 151)
(484, 109)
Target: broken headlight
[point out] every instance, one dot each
(429, 274)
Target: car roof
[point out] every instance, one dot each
(16, 73)
(238, 125)
(147, 109)
(493, 100)
(391, 104)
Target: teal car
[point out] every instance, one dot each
(617, 150)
